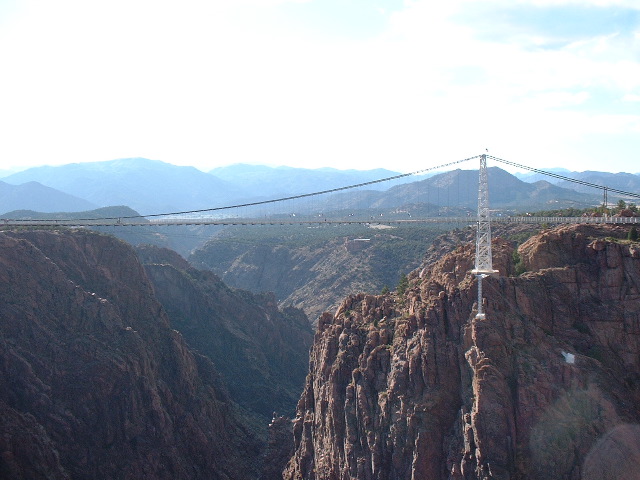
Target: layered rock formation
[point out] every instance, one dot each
(94, 382)
(546, 387)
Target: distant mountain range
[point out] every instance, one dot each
(147, 186)
(622, 181)
(531, 177)
(151, 186)
(459, 188)
(277, 182)
(35, 196)
(627, 182)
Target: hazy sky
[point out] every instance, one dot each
(343, 83)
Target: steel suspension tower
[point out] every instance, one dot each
(483, 267)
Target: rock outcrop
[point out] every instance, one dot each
(94, 382)
(546, 387)
(279, 448)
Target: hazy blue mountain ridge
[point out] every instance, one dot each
(151, 186)
(32, 195)
(147, 186)
(277, 182)
(622, 181)
(531, 177)
(628, 182)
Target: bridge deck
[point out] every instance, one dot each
(142, 221)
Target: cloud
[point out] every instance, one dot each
(244, 81)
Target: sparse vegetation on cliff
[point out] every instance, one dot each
(310, 267)
(518, 263)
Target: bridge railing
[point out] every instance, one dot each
(573, 220)
(131, 222)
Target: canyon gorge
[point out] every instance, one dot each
(121, 362)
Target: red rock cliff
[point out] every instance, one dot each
(546, 387)
(94, 384)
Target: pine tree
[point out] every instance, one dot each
(403, 284)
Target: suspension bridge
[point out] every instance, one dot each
(302, 210)
(347, 205)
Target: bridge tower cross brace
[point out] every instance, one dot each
(484, 264)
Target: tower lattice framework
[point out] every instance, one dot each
(484, 263)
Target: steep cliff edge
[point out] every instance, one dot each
(94, 383)
(262, 352)
(547, 386)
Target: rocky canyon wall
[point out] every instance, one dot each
(261, 351)
(94, 381)
(413, 386)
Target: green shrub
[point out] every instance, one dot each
(518, 263)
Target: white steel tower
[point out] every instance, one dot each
(483, 267)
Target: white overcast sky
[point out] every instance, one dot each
(343, 83)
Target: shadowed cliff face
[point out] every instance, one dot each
(262, 352)
(93, 381)
(547, 386)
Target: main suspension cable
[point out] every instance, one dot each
(304, 195)
(562, 177)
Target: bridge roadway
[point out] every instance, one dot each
(142, 221)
